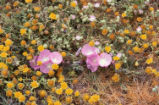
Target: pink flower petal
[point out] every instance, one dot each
(92, 68)
(44, 56)
(33, 63)
(88, 50)
(105, 60)
(93, 60)
(45, 68)
(56, 57)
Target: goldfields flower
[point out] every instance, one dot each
(34, 84)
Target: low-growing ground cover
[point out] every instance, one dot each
(66, 52)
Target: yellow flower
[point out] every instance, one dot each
(32, 98)
(51, 73)
(50, 83)
(26, 24)
(38, 73)
(129, 42)
(20, 86)
(151, 27)
(17, 94)
(22, 31)
(104, 31)
(154, 43)
(55, 66)
(136, 49)
(63, 54)
(1, 47)
(28, 1)
(91, 43)
(25, 53)
(148, 70)
(143, 37)
(59, 91)
(39, 63)
(42, 93)
(85, 97)
(53, 16)
(123, 15)
(41, 27)
(6, 48)
(23, 42)
(21, 98)
(27, 92)
(116, 77)
(117, 66)
(151, 9)
(69, 91)
(40, 48)
(126, 31)
(1, 31)
(93, 99)
(16, 3)
(61, 78)
(116, 58)
(57, 103)
(34, 84)
(107, 49)
(37, 9)
(3, 54)
(77, 93)
(33, 42)
(145, 45)
(9, 93)
(73, 4)
(149, 60)
(8, 42)
(63, 85)
(60, 6)
(68, 99)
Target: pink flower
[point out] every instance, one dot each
(78, 51)
(105, 60)
(56, 57)
(73, 17)
(44, 56)
(96, 5)
(45, 68)
(33, 63)
(92, 18)
(88, 50)
(93, 62)
(92, 68)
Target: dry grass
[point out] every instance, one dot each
(133, 91)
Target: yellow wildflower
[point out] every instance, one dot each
(117, 66)
(149, 60)
(40, 48)
(28, 1)
(22, 31)
(55, 66)
(59, 91)
(34, 84)
(116, 77)
(10, 85)
(107, 49)
(63, 85)
(143, 36)
(91, 43)
(73, 4)
(53, 16)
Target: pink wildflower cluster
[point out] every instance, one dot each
(46, 58)
(95, 58)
